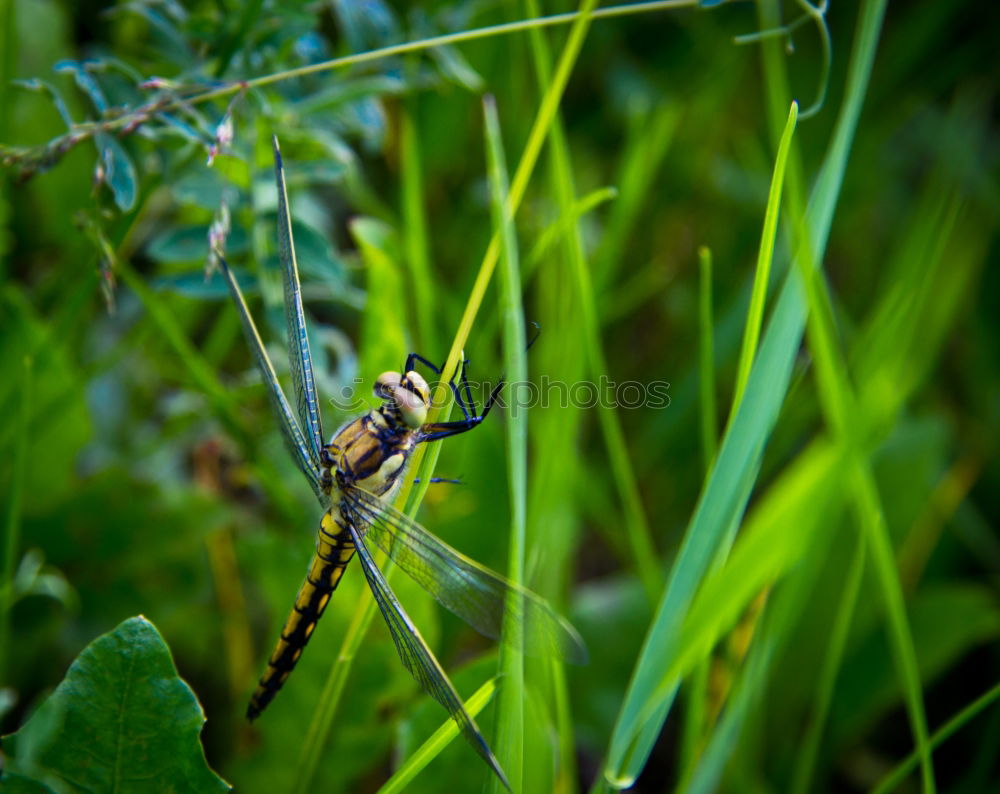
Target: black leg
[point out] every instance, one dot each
(413, 357)
(463, 396)
(465, 403)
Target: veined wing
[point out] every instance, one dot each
(294, 440)
(472, 591)
(306, 402)
(417, 657)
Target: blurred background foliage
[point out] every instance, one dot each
(153, 479)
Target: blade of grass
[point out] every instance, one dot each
(510, 713)
(706, 360)
(941, 735)
(560, 227)
(697, 693)
(892, 341)
(765, 551)
(725, 495)
(832, 660)
(839, 404)
(738, 641)
(536, 138)
(765, 255)
(415, 229)
(437, 742)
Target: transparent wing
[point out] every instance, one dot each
(460, 584)
(306, 402)
(417, 657)
(294, 440)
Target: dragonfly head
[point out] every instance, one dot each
(409, 394)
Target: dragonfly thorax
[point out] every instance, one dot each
(407, 397)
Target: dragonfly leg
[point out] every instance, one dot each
(414, 357)
(465, 403)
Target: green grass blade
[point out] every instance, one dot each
(561, 226)
(510, 713)
(729, 487)
(695, 714)
(765, 254)
(706, 360)
(766, 550)
(529, 157)
(832, 660)
(415, 245)
(941, 735)
(437, 742)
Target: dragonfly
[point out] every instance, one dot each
(355, 478)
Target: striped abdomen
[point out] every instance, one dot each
(334, 550)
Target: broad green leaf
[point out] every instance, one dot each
(121, 720)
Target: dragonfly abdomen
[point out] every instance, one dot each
(334, 550)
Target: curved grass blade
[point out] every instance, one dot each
(290, 431)
(460, 584)
(510, 726)
(942, 734)
(440, 739)
(306, 403)
(726, 493)
(416, 656)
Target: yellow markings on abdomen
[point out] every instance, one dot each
(334, 550)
